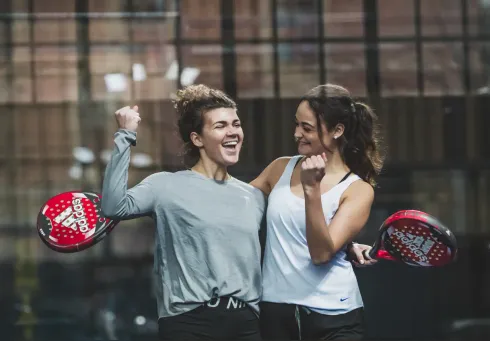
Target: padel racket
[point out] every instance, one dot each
(73, 221)
(415, 238)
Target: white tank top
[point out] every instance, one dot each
(289, 275)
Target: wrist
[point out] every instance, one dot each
(311, 191)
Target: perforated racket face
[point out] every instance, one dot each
(73, 221)
(418, 239)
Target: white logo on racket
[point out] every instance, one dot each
(417, 244)
(73, 217)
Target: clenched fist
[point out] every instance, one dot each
(128, 118)
(313, 170)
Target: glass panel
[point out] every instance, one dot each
(56, 74)
(297, 18)
(343, 18)
(398, 69)
(202, 64)
(479, 62)
(346, 66)
(396, 18)
(478, 16)
(441, 17)
(252, 19)
(443, 64)
(255, 71)
(298, 68)
(201, 19)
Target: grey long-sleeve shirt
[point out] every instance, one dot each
(207, 241)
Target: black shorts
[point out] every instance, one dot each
(279, 321)
(225, 318)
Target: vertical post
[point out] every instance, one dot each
(371, 37)
(178, 42)
(228, 57)
(275, 50)
(321, 41)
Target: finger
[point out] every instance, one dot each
(356, 264)
(121, 110)
(359, 255)
(314, 161)
(324, 156)
(321, 162)
(309, 163)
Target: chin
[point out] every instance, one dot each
(230, 161)
(304, 150)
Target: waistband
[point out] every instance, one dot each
(226, 303)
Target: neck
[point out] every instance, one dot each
(335, 164)
(211, 170)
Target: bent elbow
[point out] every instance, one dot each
(320, 259)
(110, 212)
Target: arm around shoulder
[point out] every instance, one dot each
(270, 175)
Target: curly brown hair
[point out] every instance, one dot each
(191, 103)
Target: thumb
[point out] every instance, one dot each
(135, 108)
(359, 255)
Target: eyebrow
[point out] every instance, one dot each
(304, 123)
(225, 122)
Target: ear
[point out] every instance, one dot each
(196, 139)
(338, 130)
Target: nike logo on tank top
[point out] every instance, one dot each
(289, 275)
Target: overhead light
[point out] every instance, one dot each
(115, 82)
(75, 172)
(172, 71)
(83, 155)
(141, 160)
(139, 72)
(189, 75)
(105, 155)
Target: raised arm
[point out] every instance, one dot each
(270, 175)
(117, 201)
(324, 241)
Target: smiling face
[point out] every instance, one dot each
(306, 134)
(221, 137)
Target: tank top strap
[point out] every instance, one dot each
(285, 178)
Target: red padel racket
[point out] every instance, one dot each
(415, 238)
(73, 221)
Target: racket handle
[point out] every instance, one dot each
(371, 253)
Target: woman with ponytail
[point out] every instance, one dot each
(318, 201)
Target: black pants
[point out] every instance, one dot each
(280, 321)
(221, 319)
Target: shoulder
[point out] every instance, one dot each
(360, 190)
(249, 190)
(278, 166)
(280, 163)
(162, 177)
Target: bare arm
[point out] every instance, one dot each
(324, 241)
(270, 175)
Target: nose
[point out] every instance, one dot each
(233, 131)
(297, 133)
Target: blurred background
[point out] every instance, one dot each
(67, 65)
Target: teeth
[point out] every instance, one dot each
(231, 143)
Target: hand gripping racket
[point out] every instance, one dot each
(415, 238)
(73, 221)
